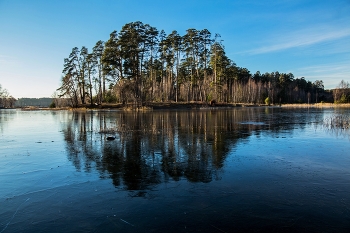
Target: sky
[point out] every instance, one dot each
(309, 38)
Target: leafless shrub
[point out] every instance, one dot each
(338, 125)
(337, 121)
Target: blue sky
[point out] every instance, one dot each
(310, 39)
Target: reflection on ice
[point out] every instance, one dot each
(251, 169)
(153, 147)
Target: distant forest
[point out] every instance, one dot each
(141, 64)
(36, 102)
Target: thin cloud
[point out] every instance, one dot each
(6, 59)
(328, 68)
(331, 74)
(301, 39)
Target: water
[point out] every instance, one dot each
(239, 170)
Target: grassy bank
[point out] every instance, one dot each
(318, 105)
(182, 105)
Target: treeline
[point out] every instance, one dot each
(6, 100)
(140, 64)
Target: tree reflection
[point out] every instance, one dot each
(6, 115)
(154, 147)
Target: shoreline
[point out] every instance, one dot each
(182, 106)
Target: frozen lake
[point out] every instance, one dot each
(232, 170)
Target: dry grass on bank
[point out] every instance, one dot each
(318, 105)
